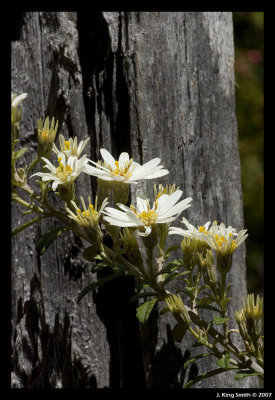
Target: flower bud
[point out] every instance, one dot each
(104, 189)
(121, 192)
(176, 306)
(46, 136)
(131, 247)
(208, 268)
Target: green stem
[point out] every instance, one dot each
(33, 164)
(207, 375)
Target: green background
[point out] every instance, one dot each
(249, 55)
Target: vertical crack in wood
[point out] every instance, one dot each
(106, 92)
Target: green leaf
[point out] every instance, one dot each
(44, 242)
(164, 310)
(191, 360)
(179, 331)
(26, 225)
(228, 288)
(189, 289)
(208, 307)
(94, 285)
(224, 361)
(206, 375)
(98, 267)
(225, 301)
(206, 301)
(245, 374)
(140, 295)
(200, 342)
(219, 320)
(20, 152)
(143, 311)
(170, 249)
(89, 253)
(176, 262)
(172, 276)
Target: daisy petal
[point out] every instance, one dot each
(107, 157)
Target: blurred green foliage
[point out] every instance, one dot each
(249, 54)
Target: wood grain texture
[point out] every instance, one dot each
(155, 84)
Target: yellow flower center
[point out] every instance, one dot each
(202, 229)
(63, 171)
(147, 217)
(90, 213)
(164, 191)
(220, 240)
(122, 170)
(67, 145)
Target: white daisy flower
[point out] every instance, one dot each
(224, 240)
(70, 147)
(89, 217)
(125, 169)
(218, 237)
(67, 171)
(164, 210)
(191, 231)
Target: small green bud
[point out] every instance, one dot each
(130, 246)
(120, 192)
(208, 267)
(104, 189)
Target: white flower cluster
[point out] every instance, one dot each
(126, 171)
(221, 239)
(164, 210)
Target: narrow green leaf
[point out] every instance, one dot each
(143, 311)
(20, 152)
(228, 288)
(224, 361)
(225, 301)
(176, 262)
(164, 310)
(44, 242)
(98, 267)
(189, 289)
(26, 225)
(219, 320)
(208, 307)
(94, 285)
(170, 249)
(191, 360)
(200, 342)
(179, 331)
(245, 374)
(140, 295)
(206, 375)
(206, 301)
(172, 276)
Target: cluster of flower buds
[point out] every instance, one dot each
(249, 319)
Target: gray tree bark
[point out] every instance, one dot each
(154, 84)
